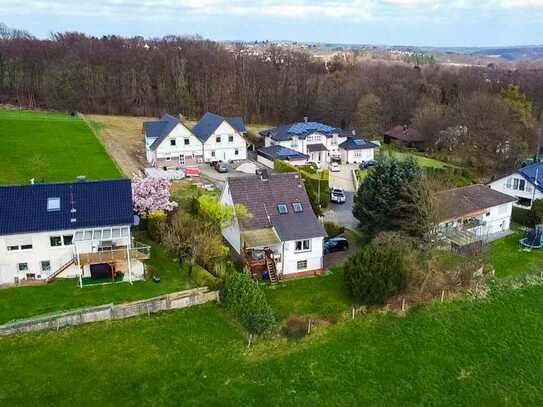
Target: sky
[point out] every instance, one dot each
(379, 22)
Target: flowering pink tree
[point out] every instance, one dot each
(152, 194)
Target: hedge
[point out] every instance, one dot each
(333, 229)
(523, 217)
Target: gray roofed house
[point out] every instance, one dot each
(210, 122)
(277, 203)
(160, 129)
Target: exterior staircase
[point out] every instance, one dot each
(60, 270)
(272, 270)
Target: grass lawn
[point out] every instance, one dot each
(509, 260)
(421, 160)
(51, 147)
(459, 353)
(63, 295)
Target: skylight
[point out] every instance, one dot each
(298, 207)
(282, 208)
(53, 204)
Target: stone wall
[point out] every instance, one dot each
(109, 312)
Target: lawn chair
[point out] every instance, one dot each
(534, 239)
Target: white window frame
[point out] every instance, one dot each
(25, 270)
(47, 269)
(301, 265)
(53, 204)
(305, 245)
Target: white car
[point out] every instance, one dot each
(334, 167)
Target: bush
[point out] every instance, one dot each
(295, 328)
(523, 217)
(333, 229)
(378, 271)
(155, 224)
(203, 278)
(333, 312)
(246, 301)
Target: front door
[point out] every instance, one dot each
(181, 159)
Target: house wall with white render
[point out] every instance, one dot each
(357, 156)
(300, 144)
(302, 261)
(225, 144)
(518, 186)
(179, 148)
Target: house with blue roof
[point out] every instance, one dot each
(268, 155)
(170, 144)
(525, 184)
(320, 142)
(69, 230)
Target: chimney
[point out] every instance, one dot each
(306, 119)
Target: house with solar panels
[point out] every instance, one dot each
(170, 144)
(320, 142)
(355, 150)
(78, 230)
(268, 155)
(524, 184)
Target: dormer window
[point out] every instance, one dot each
(282, 209)
(53, 204)
(298, 207)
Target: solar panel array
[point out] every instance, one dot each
(303, 128)
(287, 152)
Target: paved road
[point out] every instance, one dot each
(344, 178)
(342, 214)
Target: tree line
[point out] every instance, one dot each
(470, 111)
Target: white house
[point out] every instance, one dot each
(525, 185)
(169, 143)
(222, 138)
(356, 150)
(268, 155)
(282, 233)
(69, 230)
(475, 209)
(320, 142)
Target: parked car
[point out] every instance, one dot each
(366, 164)
(337, 244)
(221, 167)
(337, 196)
(334, 167)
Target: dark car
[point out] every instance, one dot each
(221, 167)
(367, 164)
(337, 244)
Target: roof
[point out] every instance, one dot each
(160, 129)
(311, 148)
(357, 143)
(259, 238)
(261, 198)
(404, 133)
(458, 202)
(278, 152)
(211, 122)
(23, 208)
(301, 130)
(534, 174)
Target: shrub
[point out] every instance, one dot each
(537, 211)
(245, 300)
(155, 224)
(203, 278)
(295, 328)
(378, 271)
(333, 312)
(333, 229)
(523, 217)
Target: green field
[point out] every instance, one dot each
(63, 295)
(50, 147)
(459, 353)
(510, 260)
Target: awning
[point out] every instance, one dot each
(259, 238)
(312, 148)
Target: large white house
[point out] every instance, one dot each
(169, 143)
(69, 230)
(282, 234)
(476, 209)
(320, 142)
(525, 185)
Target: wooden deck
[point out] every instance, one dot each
(112, 256)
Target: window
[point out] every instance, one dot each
(508, 183)
(13, 248)
(213, 154)
(230, 139)
(218, 139)
(26, 247)
(236, 152)
(55, 241)
(522, 185)
(168, 158)
(187, 141)
(45, 266)
(22, 267)
(282, 208)
(301, 265)
(302, 245)
(297, 206)
(53, 204)
(173, 142)
(67, 239)
(106, 234)
(115, 232)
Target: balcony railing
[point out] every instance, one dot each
(138, 251)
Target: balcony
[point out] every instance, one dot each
(113, 254)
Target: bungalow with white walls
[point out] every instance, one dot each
(524, 184)
(475, 210)
(356, 150)
(282, 237)
(320, 142)
(222, 138)
(169, 144)
(69, 230)
(268, 155)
